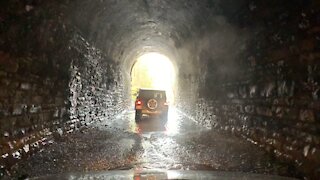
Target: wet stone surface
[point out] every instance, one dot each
(120, 143)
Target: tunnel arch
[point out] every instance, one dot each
(233, 64)
(145, 26)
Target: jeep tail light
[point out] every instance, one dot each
(138, 102)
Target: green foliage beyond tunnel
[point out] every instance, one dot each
(140, 79)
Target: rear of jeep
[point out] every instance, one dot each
(152, 103)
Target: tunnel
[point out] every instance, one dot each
(247, 75)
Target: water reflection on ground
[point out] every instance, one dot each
(179, 144)
(149, 124)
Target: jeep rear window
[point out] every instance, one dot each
(152, 94)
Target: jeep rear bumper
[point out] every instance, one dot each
(145, 111)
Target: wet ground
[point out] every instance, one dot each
(120, 143)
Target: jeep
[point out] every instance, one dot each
(151, 102)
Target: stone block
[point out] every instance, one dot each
(4, 93)
(3, 73)
(34, 109)
(307, 115)
(37, 99)
(17, 110)
(8, 63)
(25, 86)
(4, 82)
(308, 44)
(59, 101)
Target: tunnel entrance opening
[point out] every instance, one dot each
(154, 71)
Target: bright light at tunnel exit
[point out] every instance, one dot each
(155, 71)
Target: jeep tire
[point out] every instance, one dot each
(138, 116)
(164, 116)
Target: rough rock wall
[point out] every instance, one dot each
(51, 80)
(186, 95)
(33, 81)
(96, 86)
(273, 99)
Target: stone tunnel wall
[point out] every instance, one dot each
(51, 80)
(273, 99)
(96, 86)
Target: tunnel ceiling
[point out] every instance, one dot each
(125, 29)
